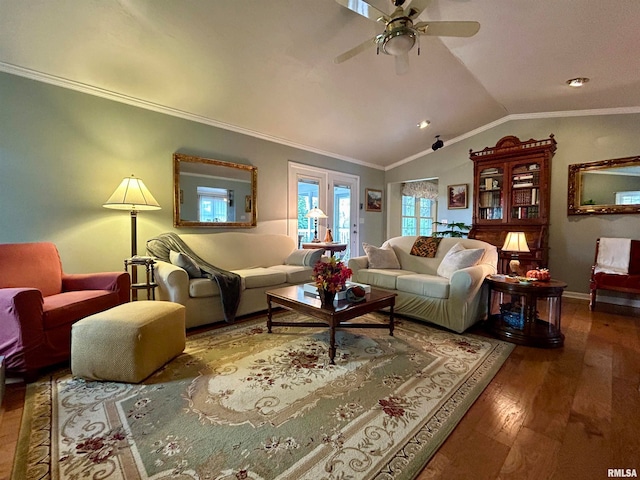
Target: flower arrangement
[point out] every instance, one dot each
(331, 276)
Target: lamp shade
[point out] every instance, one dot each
(132, 194)
(515, 242)
(315, 213)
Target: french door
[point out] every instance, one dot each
(335, 193)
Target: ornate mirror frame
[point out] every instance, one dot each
(238, 181)
(577, 205)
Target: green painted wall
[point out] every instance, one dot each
(62, 154)
(580, 139)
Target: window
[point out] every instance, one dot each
(628, 198)
(417, 216)
(308, 198)
(213, 204)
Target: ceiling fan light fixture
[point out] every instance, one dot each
(398, 42)
(577, 82)
(424, 124)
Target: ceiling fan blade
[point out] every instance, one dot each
(356, 50)
(448, 29)
(416, 8)
(364, 9)
(402, 64)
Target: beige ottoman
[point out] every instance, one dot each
(129, 342)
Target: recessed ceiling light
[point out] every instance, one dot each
(424, 124)
(577, 82)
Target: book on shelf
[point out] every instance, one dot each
(525, 212)
(522, 197)
(528, 176)
(522, 185)
(490, 199)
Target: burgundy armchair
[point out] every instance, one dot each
(39, 303)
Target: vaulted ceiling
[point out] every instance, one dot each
(265, 67)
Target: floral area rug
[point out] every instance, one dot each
(240, 403)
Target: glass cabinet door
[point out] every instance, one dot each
(491, 193)
(525, 191)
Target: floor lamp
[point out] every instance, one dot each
(132, 195)
(315, 213)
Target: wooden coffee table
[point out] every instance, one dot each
(294, 298)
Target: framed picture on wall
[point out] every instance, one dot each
(457, 196)
(374, 200)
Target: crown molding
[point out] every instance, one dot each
(521, 116)
(155, 107)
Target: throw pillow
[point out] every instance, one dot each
(383, 257)
(458, 258)
(425, 247)
(304, 257)
(183, 260)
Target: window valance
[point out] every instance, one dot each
(422, 189)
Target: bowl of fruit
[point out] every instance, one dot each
(539, 275)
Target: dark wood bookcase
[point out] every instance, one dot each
(511, 194)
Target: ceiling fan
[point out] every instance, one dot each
(400, 33)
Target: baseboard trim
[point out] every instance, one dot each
(623, 301)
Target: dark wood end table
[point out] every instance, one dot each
(294, 298)
(327, 247)
(517, 312)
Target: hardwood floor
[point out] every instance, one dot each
(555, 414)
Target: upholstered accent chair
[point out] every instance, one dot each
(39, 303)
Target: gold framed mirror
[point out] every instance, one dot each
(213, 193)
(604, 187)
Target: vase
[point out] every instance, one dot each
(326, 297)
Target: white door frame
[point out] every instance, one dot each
(326, 178)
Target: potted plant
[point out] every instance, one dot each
(456, 229)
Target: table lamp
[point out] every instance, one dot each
(516, 242)
(315, 213)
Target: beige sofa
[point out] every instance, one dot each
(263, 261)
(455, 303)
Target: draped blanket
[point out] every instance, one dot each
(229, 283)
(613, 256)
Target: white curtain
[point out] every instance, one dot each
(422, 189)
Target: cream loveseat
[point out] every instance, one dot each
(447, 293)
(263, 261)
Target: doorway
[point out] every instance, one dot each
(335, 193)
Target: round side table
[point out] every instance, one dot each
(525, 313)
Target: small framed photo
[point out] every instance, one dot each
(457, 196)
(374, 200)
